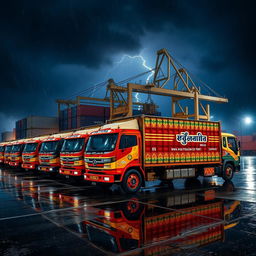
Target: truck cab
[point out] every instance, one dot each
(230, 155)
(7, 151)
(71, 155)
(16, 154)
(49, 155)
(2, 148)
(30, 159)
(113, 151)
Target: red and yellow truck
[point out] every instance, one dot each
(49, 153)
(30, 158)
(132, 151)
(2, 149)
(186, 220)
(16, 153)
(7, 152)
(72, 154)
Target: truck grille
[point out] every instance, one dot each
(46, 157)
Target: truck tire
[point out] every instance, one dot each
(132, 181)
(228, 172)
(132, 209)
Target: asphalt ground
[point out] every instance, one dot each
(42, 215)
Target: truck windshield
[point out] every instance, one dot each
(1, 148)
(49, 146)
(17, 148)
(102, 143)
(73, 145)
(30, 147)
(8, 149)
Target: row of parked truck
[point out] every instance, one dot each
(130, 152)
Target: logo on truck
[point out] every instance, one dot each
(184, 138)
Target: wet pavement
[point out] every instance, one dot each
(40, 215)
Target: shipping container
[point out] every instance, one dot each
(40, 122)
(87, 110)
(82, 115)
(8, 136)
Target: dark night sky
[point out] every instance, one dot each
(54, 48)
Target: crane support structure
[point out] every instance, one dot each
(183, 88)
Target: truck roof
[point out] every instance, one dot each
(130, 124)
(228, 134)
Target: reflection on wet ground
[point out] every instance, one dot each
(43, 216)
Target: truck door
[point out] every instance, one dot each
(129, 147)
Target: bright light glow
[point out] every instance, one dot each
(247, 120)
(106, 178)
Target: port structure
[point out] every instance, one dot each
(171, 80)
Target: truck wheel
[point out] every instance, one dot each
(132, 181)
(228, 172)
(132, 209)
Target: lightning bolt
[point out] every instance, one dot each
(140, 57)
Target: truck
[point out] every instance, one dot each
(30, 159)
(49, 153)
(16, 153)
(7, 151)
(131, 151)
(185, 220)
(2, 148)
(72, 154)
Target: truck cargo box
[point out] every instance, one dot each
(169, 141)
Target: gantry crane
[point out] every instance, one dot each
(182, 88)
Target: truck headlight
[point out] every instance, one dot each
(108, 160)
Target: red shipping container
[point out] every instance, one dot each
(87, 110)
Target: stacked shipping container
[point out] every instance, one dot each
(82, 115)
(33, 126)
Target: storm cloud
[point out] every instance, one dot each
(51, 49)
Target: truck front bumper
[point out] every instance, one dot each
(45, 168)
(14, 164)
(99, 178)
(29, 166)
(71, 172)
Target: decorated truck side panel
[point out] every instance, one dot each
(170, 141)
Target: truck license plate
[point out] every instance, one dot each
(93, 177)
(209, 171)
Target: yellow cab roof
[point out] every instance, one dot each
(224, 134)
